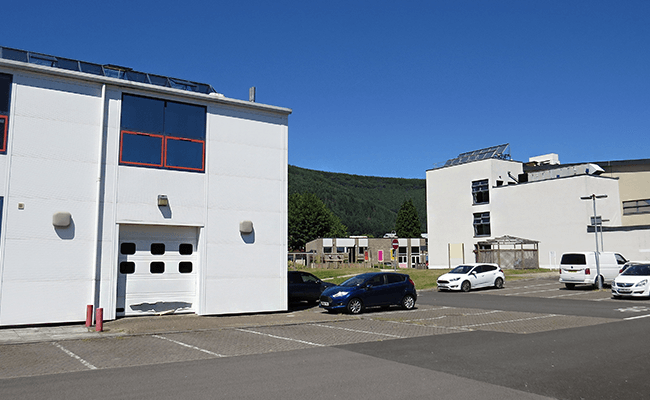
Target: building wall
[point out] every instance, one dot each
(549, 211)
(552, 213)
(63, 155)
(450, 207)
(411, 251)
(51, 165)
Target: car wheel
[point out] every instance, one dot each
(355, 306)
(570, 285)
(408, 302)
(466, 286)
(498, 283)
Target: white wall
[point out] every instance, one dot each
(247, 172)
(450, 209)
(47, 273)
(552, 213)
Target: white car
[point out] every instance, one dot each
(633, 282)
(472, 276)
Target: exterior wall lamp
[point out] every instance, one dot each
(163, 201)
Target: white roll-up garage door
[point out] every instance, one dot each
(157, 269)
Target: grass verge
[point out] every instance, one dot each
(423, 278)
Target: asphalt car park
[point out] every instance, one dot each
(308, 326)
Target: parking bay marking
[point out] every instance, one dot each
(189, 346)
(283, 338)
(73, 355)
(505, 322)
(359, 331)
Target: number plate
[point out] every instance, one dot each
(625, 290)
(324, 303)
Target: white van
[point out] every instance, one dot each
(579, 268)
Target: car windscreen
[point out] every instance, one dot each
(355, 281)
(461, 269)
(638, 270)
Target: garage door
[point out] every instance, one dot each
(157, 269)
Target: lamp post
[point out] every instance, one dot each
(593, 198)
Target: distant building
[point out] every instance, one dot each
(482, 195)
(412, 253)
(137, 193)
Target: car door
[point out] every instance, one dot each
(311, 287)
(482, 276)
(489, 274)
(376, 291)
(395, 287)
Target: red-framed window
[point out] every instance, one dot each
(5, 102)
(162, 134)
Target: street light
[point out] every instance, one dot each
(593, 198)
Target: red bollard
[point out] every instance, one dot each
(99, 320)
(89, 315)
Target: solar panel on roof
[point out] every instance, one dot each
(108, 70)
(498, 152)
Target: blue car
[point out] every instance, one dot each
(374, 289)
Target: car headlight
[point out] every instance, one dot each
(454, 279)
(339, 294)
(642, 283)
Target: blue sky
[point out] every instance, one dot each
(387, 88)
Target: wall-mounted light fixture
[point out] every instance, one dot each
(162, 200)
(246, 227)
(61, 219)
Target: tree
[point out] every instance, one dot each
(407, 224)
(309, 219)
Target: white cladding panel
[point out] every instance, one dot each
(247, 172)
(47, 273)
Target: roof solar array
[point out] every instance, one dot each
(112, 71)
(501, 152)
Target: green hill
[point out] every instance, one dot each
(367, 205)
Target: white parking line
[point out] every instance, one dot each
(637, 317)
(528, 286)
(358, 331)
(505, 322)
(189, 346)
(567, 295)
(283, 338)
(534, 291)
(73, 355)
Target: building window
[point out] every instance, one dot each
(157, 248)
(482, 224)
(162, 134)
(327, 249)
(185, 249)
(636, 207)
(157, 267)
(481, 191)
(185, 267)
(5, 97)
(127, 267)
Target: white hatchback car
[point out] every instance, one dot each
(633, 282)
(472, 276)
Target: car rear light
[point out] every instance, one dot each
(588, 271)
(411, 282)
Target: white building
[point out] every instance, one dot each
(483, 195)
(137, 193)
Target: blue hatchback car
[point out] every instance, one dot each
(370, 290)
